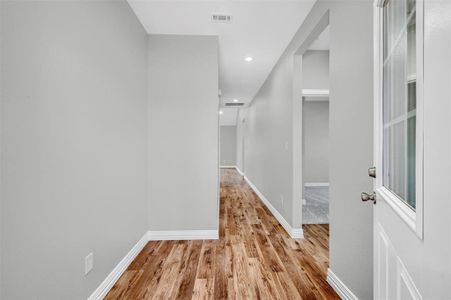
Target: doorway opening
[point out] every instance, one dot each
(311, 132)
(315, 131)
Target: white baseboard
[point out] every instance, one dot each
(176, 235)
(342, 290)
(313, 184)
(232, 167)
(239, 171)
(295, 233)
(111, 279)
(227, 167)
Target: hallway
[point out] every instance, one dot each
(253, 259)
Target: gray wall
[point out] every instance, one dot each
(270, 136)
(315, 67)
(73, 144)
(183, 132)
(227, 145)
(240, 135)
(1, 164)
(315, 121)
(316, 141)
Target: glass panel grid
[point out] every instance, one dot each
(399, 99)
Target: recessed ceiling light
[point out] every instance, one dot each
(235, 100)
(248, 59)
(220, 112)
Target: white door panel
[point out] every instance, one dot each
(412, 153)
(393, 279)
(381, 264)
(405, 288)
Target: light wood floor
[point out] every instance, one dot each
(253, 259)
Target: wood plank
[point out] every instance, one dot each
(187, 274)
(171, 269)
(203, 289)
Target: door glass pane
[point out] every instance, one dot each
(399, 99)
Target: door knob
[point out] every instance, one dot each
(368, 197)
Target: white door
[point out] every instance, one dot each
(412, 227)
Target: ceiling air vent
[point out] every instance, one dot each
(221, 18)
(234, 104)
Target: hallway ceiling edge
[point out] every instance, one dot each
(258, 29)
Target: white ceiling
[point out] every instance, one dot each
(261, 29)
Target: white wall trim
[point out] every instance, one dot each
(179, 235)
(111, 279)
(295, 233)
(227, 167)
(239, 171)
(233, 167)
(314, 184)
(342, 290)
(315, 92)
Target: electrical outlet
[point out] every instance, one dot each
(281, 200)
(286, 145)
(89, 262)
